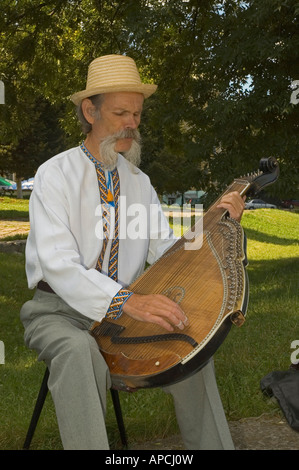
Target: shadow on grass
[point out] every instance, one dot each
(11, 214)
(274, 279)
(263, 343)
(255, 235)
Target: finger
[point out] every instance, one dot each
(165, 322)
(156, 308)
(173, 313)
(233, 198)
(234, 204)
(149, 317)
(159, 320)
(172, 310)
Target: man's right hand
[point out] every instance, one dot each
(156, 308)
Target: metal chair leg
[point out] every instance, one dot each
(119, 417)
(40, 403)
(37, 410)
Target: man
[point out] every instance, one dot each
(82, 267)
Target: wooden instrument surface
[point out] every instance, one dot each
(211, 286)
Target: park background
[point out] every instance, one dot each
(226, 72)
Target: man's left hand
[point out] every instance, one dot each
(234, 203)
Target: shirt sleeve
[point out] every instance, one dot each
(116, 307)
(52, 246)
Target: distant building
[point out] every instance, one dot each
(189, 197)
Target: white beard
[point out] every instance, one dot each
(109, 156)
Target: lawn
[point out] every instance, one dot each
(261, 345)
(16, 209)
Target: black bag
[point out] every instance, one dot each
(284, 386)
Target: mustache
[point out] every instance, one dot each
(124, 134)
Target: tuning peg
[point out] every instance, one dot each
(268, 164)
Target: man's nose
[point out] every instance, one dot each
(131, 122)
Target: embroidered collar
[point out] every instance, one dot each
(88, 154)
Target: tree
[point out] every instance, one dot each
(223, 68)
(30, 124)
(254, 62)
(41, 138)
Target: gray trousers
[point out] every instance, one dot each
(79, 380)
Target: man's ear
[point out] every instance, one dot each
(88, 110)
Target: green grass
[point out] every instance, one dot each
(16, 209)
(260, 346)
(263, 343)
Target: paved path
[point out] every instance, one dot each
(262, 433)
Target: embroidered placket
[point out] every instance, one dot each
(110, 203)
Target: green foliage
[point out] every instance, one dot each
(40, 139)
(224, 71)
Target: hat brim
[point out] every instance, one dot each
(144, 88)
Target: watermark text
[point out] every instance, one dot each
(137, 221)
(295, 93)
(295, 354)
(2, 353)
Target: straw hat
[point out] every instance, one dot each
(113, 73)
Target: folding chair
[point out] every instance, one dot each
(40, 403)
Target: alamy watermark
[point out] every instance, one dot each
(2, 93)
(138, 221)
(295, 354)
(295, 93)
(2, 353)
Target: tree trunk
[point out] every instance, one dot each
(19, 188)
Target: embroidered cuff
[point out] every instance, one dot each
(115, 309)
